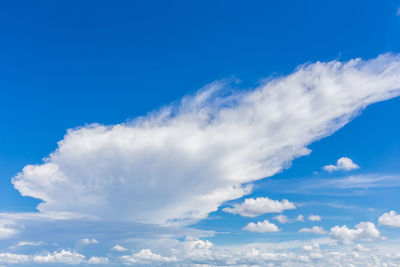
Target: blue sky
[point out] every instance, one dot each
(199, 132)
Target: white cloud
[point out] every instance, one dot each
(88, 241)
(363, 231)
(98, 260)
(314, 218)
(63, 256)
(13, 258)
(261, 227)
(300, 218)
(281, 218)
(390, 218)
(254, 207)
(315, 230)
(145, 256)
(183, 162)
(119, 248)
(344, 163)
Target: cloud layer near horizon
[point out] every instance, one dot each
(184, 161)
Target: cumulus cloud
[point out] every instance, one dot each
(182, 162)
(363, 231)
(314, 218)
(98, 260)
(261, 227)
(391, 219)
(63, 256)
(300, 218)
(145, 256)
(281, 218)
(315, 230)
(344, 163)
(254, 207)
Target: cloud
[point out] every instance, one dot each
(119, 248)
(391, 219)
(363, 231)
(281, 218)
(300, 218)
(88, 241)
(98, 260)
(63, 256)
(314, 218)
(261, 227)
(254, 207)
(182, 162)
(145, 256)
(344, 164)
(315, 230)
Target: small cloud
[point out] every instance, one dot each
(119, 248)
(253, 207)
(88, 241)
(281, 218)
(315, 230)
(314, 218)
(98, 260)
(344, 164)
(300, 218)
(28, 243)
(391, 219)
(261, 227)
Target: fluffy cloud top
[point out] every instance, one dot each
(363, 231)
(282, 218)
(119, 248)
(254, 207)
(183, 162)
(261, 227)
(145, 256)
(88, 241)
(345, 164)
(390, 218)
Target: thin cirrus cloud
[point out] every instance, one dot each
(343, 164)
(315, 230)
(253, 207)
(182, 162)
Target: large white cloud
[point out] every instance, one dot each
(253, 207)
(183, 162)
(390, 218)
(363, 231)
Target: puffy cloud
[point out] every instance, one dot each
(363, 231)
(13, 258)
(315, 229)
(183, 162)
(98, 260)
(254, 207)
(145, 256)
(300, 218)
(390, 218)
(119, 248)
(261, 227)
(314, 218)
(88, 241)
(282, 218)
(344, 163)
(63, 256)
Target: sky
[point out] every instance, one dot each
(199, 133)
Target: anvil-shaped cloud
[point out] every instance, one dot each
(182, 162)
